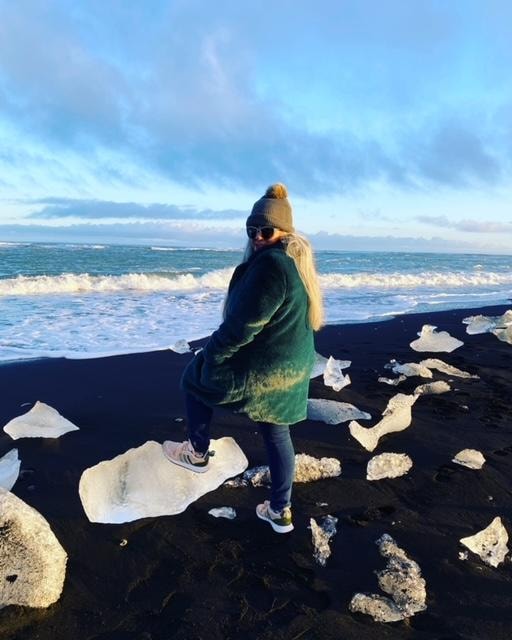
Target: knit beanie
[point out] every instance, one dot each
(273, 210)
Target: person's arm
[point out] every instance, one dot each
(263, 293)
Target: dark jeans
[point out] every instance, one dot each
(278, 443)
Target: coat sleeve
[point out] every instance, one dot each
(253, 306)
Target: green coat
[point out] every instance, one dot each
(260, 359)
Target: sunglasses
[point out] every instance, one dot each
(265, 232)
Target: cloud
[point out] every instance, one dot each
(53, 81)
(190, 234)
(194, 234)
(57, 208)
(338, 242)
(470, 226)
(455, 154)
(374, 214)
(208, 94)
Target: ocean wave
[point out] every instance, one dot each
(77, 246)
(431, 279)
(68, 283)
(14, 244)
(216, 250)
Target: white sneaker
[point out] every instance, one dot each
(184, 455)
(281, 522)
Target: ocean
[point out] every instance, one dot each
(82, 301)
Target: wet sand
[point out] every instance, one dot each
(192, 577)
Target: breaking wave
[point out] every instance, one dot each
(194, 249)
(68, 283)
(431, 279)
(85, 283)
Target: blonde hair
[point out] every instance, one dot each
(299, 248)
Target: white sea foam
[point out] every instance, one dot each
(14, 244)
(216, 250)
(98, 325)
(127, 299)
(84, 283)
(219, 279)
(430, 279)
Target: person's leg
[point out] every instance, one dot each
(199, 417)
(281, 462)
(194, 453)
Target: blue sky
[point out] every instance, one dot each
(390, 122)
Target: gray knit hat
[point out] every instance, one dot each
(273, 210)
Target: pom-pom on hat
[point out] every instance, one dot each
(273, 209)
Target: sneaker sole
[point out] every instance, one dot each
(190, 467)
(278, 528)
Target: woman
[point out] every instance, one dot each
(260, 359)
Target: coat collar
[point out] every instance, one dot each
(276, 246)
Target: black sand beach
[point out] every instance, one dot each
(194, 577)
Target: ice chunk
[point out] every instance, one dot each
(181, 346)
(431, 340)
(470, 458)
(319, 365)
(9, 469)
(479, 324)
(236, 483)
(504, 334)
(435, 363)
(409, 369)
(310, 469)
(223, 512)
(142, 483)
(321, 536)
(42, 421)
(388, 465)
(333, 375)
(392, 381)
(500, 326)
(490, 543)
(422, 369)
(307, 469)
(505, 319)
(432, 388)
(334, 412)
(32, 562)
(321, 362)
(401, 579)
(380, 608)
(257, 476)
(487, 324)
(396, 417)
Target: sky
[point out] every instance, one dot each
(389, 121)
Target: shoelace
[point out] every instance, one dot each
(190, 449)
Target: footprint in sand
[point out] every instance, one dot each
(444, 473)
(372, 514)
(448, 410)
(491, 421)
(506, 451)
(267, 593)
